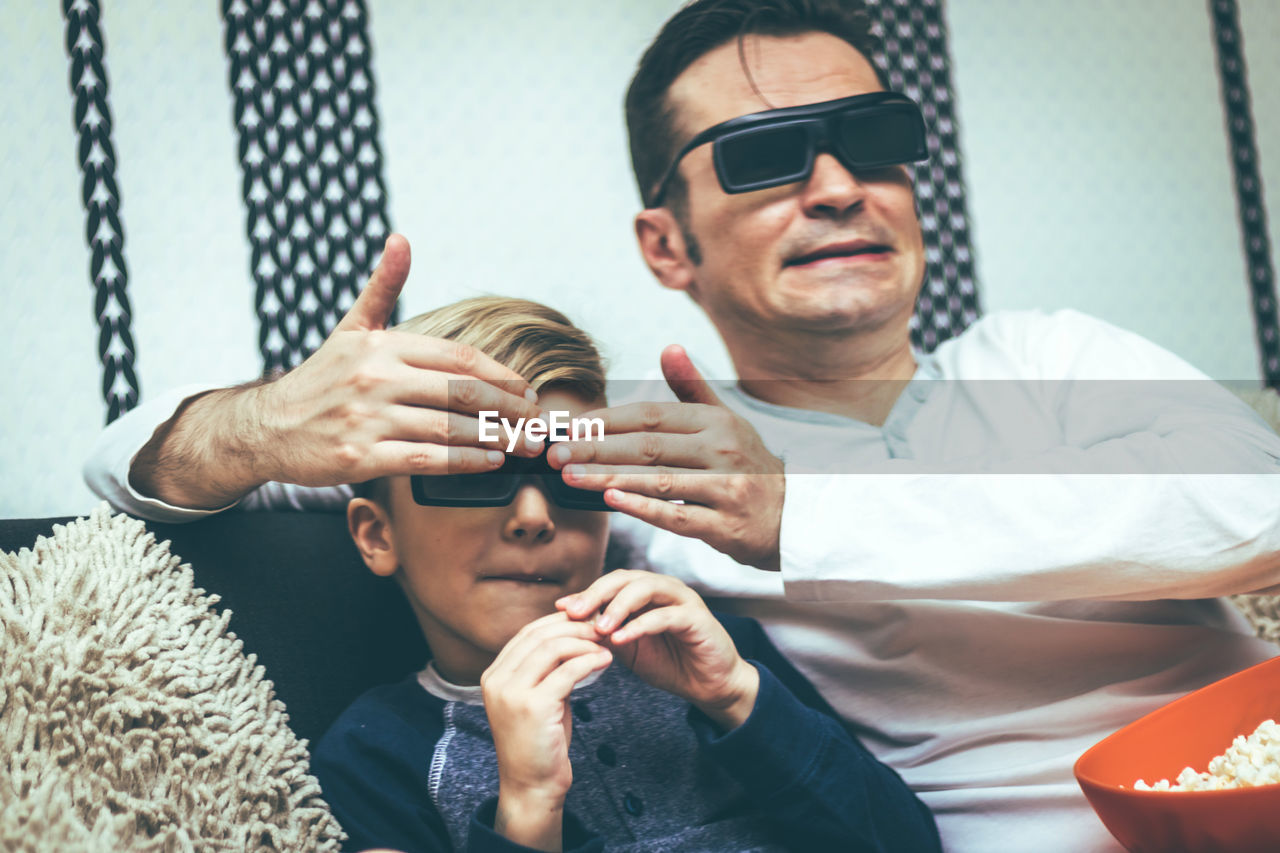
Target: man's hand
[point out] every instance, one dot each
(696, 451)
(664, 632)
(368, 403)
(526, 696)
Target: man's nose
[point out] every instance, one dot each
(832, 190)
(529, 519)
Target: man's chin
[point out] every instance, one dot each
(841, 321)
(845, 305)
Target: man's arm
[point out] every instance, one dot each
(107, 470)
(1162, 485)
(1156, 488)
(219, 433)
(368, 403)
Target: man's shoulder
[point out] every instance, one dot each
(1066, 343)
(1019, 327)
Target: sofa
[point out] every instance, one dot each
(322, 625)
(324, 628)
(312, 620)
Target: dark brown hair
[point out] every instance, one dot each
(694, 31)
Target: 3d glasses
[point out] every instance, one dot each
(499, 488)
(775, 147)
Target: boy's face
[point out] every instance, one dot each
(477, 575)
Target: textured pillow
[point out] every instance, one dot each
(130, 719)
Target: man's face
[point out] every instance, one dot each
(794, 257)
(477, 575)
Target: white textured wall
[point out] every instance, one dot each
(1098, 170)
(506, 163)
(1145, 236)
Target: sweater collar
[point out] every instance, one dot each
(441, 688)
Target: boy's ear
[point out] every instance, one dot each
(370, 528)
(664, 249)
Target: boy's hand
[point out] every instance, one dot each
(526, 696)
(671, 641)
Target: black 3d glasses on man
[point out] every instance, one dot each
(776, 147)
(499, 488)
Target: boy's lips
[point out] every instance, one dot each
(548, 578)
(532, 581)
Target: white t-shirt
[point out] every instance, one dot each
(977, 607)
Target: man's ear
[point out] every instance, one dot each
(664, 248)
(370, 528)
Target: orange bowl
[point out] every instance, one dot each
(1187, 732)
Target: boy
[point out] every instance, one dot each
(523, 732)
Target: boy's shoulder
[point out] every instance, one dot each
(388, 716)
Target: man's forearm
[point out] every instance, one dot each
(211, 453)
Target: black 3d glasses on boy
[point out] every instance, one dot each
(776, 147)
(499, 488)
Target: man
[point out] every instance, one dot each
(981, 628)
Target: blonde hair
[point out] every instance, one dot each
(535, 341)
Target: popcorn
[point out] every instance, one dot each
(1248, 762)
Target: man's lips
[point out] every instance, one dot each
(851, 250)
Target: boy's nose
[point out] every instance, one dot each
(530, 517)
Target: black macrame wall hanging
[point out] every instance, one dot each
(301, 75)
(1249, 198)
(914, 34)
(103, 230)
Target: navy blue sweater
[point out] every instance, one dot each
(405, 769)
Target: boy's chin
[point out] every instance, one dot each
(522, 603)
(513, 617)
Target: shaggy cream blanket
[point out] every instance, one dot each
(130, 719)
